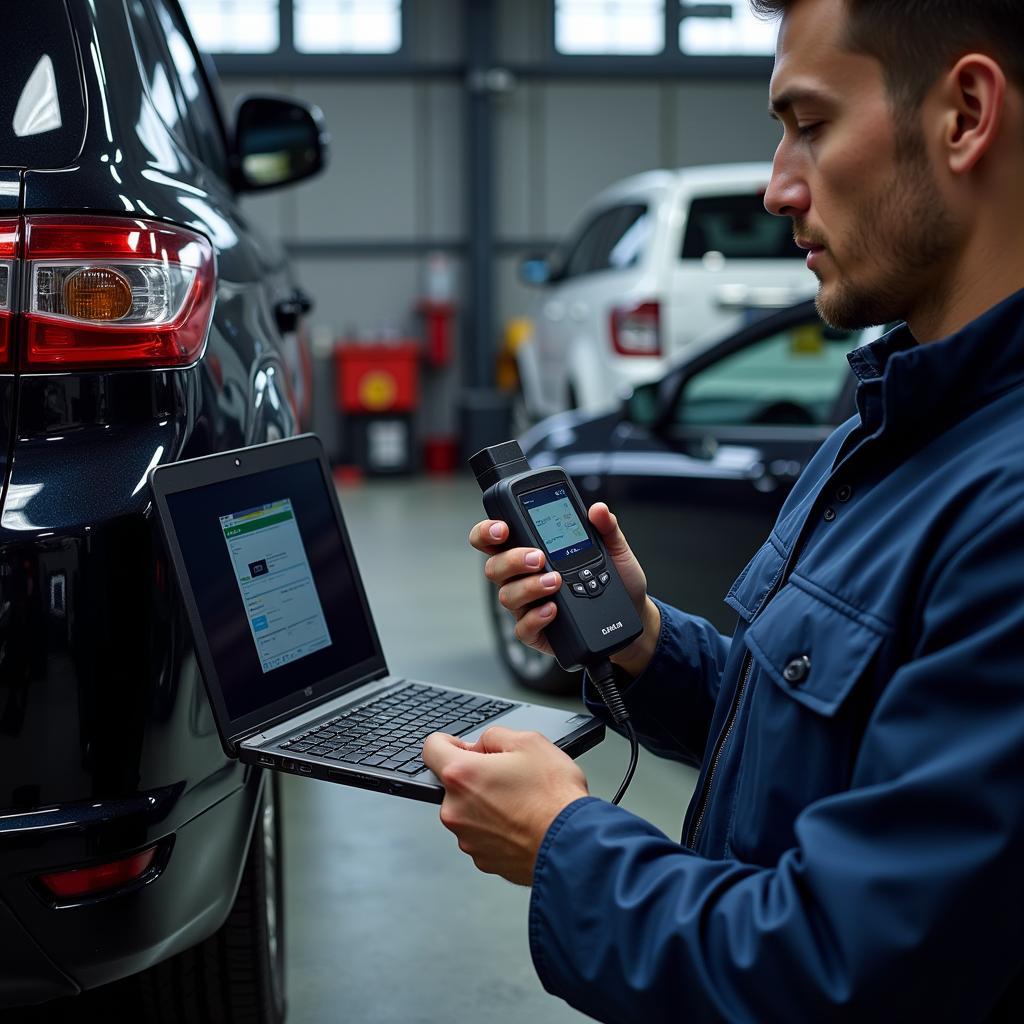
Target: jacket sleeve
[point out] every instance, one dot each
(671, 702)
(901, 897)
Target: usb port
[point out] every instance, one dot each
(305, 769)
(265, 759)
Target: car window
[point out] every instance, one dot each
(738, 227)
(614, 240)
(42, 115)
(792, 377)
(201, 117)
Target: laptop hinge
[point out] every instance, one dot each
(313, 706)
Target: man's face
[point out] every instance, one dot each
(857, 182)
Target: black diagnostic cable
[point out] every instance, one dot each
(602, 675)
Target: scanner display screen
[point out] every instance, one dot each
(557, 522)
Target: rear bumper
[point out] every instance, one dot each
(53, 951)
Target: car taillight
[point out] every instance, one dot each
(8, 254)
(115, 292)
(99, 878)
(636, 330)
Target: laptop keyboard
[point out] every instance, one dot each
(388, 732)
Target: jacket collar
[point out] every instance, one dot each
(927, 386)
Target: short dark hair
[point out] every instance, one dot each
(916, 39)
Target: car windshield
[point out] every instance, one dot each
(42, 116)
(737, 227)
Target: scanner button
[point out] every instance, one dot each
(603, 578)
(579, 589)
(585, 574)
(593, 586)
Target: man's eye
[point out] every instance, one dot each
(807, 131)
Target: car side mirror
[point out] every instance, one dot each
(277, 141)
(643, 406)
(535, 271)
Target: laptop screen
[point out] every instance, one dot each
(277, 594)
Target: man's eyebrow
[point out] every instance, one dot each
(785, 100)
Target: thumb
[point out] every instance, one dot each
(440, 749)
(608, 526)
(499, 740)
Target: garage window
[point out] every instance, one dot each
(724, 29)
(348, 26)
(635, 27)
(671, 30)
(296, 26)
(234, 26)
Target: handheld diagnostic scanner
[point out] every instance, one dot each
(542, 508)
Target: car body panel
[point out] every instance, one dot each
(107, 742)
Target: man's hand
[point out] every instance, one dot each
(501, 795)
(526, 593)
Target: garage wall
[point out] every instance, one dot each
(396, 180)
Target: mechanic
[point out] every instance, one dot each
(855, 846)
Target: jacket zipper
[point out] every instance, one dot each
(723, 736)
(748, 662)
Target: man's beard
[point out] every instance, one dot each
(904, 238)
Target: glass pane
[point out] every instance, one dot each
(610, 26)
(739, 32)
(348, 26)
(614, 240)
(234, 26)
(794, 377)
(738, 227)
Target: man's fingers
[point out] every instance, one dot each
(488, 535)
(499, 740)
(507, 565)
(608, 526)
(440, 749)
(531, 625)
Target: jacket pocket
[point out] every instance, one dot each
(754, 584)
(809, 690)
(814, 645)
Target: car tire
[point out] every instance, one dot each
(236, 976)
(529, 668)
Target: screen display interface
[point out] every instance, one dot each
(276, 592)
(276, 583)
(557, 522)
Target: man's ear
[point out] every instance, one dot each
(974, 94)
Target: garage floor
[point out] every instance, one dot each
(388, 923)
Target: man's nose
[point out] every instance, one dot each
(787, 194)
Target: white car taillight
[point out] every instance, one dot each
(115, 292)
(636, 330)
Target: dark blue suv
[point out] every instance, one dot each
(143, 320)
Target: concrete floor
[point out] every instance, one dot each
(388, 923)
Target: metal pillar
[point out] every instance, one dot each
(483, 411)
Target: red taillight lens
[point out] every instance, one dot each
(109, 292)
(636, 330)
(8, 255)
(90, 881)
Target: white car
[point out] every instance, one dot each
(658, 266)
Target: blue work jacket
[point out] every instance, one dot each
(854, 849)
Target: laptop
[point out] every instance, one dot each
(285, 638)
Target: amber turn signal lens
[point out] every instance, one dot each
(97, 293)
